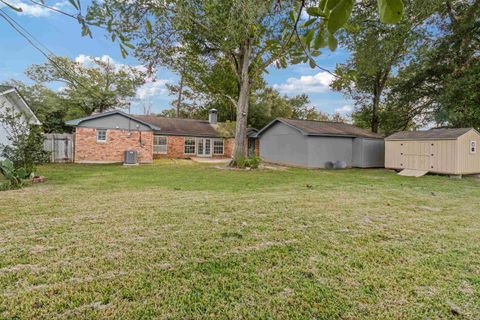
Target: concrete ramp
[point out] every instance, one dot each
(412, 173)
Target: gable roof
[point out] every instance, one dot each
(17, 99)
(76, 122)
(432, 134)
(4, 88)
(323, 128)
(182, 127)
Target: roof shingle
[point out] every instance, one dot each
(432, 134)
(182, 127)
(327, 128)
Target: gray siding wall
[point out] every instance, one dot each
(285, 145)
(368, 153)
(114, 121)
(324, 149)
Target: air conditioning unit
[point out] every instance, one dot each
(130, 157)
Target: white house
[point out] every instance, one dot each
(10, 99)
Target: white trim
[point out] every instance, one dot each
(195, 145)
(473, 147)
(166, 144)
(213, 147)
(35, 119)
(106, 135)
(204, 143)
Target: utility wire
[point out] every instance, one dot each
(24, 33)
(55, 9)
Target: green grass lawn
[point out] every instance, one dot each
(181, 240)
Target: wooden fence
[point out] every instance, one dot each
(60, 146)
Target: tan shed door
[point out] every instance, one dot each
(416, 155)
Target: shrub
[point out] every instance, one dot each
(242, 162)
(13, 176)
(25, 149)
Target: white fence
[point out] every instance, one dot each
(60, 146)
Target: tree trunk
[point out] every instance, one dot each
(376, 102)
(243, 97)
(377, 93)
(179, 101)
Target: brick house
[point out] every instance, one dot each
(103, 138)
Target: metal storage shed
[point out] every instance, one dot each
(314, 144)
(442, 150)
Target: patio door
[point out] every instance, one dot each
(204, 147)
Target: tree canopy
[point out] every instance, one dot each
(98, 87)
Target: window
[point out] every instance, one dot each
(160, 144)
(189, 146)
(101, 135)
(218, 146)
(473, 147)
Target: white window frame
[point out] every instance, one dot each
(194, 145)
(213, 147)
(160, 145)
(473, 147)
(97, 133)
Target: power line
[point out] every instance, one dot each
(18, 28)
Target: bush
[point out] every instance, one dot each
(26, 143)
(13, 176)
(242, 162)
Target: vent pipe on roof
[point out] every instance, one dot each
(212, 116)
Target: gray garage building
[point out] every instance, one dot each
(316, 144)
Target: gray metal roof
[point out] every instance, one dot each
(76, 122)
(432, 134)
(324, 128)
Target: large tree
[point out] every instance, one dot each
(441, 84)
(98, 87)
(191, 37)
(378, 51)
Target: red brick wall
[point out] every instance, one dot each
(175, 148)
(228, 145)
(87, 149)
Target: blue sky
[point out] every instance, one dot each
(61, 35)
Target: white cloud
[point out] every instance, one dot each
(152, 89)
(89, 61)
(345, 109)
(31, 9)
(306, 84)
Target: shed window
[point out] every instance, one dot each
(218, 146)
(101, 135)
(189, 146)
(473, 147)
(160, 144)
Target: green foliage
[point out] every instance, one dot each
(459, 103)
(333, 15)
(339, 15)
(246, 162)
(50, 107)
(25, 149)
(227, 129)
(13, 176)
(96, 87)
(391, 11)
(441, 84)
(378, 52)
